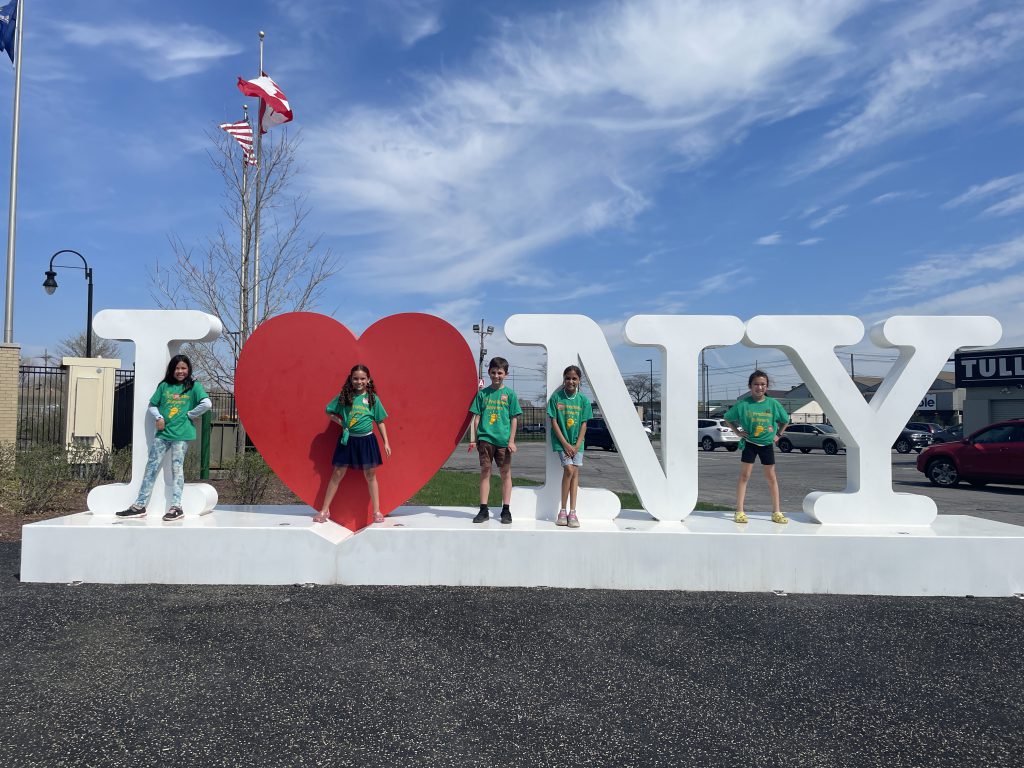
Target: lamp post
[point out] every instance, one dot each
(652, 394)
(484, 331)
(50, 284)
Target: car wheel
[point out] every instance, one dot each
(943, 473)
(731, 448)
(831, 447)
(978, 483)
(707, 444)
(903, 446)
(785, 446)
(805, 450)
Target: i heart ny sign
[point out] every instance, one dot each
(294, 364)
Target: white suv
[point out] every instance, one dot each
(712, 433)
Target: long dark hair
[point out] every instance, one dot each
(169, 375)
(347, 391)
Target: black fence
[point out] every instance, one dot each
(42, 394)
(42, 398)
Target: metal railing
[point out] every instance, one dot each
(42, 393)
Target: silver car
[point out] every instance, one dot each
(807, 437)
(714, 433)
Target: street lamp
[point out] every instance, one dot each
(652, 394)
(484, 331)
(50, 284)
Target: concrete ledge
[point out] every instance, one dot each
(957, 555)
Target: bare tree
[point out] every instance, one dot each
(74, 346)
(214, 276)
(639, 387)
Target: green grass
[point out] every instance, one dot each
(462, 489)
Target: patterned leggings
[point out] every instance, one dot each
(156, 457)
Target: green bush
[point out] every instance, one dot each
(250, 477)
(32, 478)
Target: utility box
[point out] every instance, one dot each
(89, 415)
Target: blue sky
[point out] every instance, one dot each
(479, 159)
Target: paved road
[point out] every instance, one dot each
(799, 474)
(98, 675)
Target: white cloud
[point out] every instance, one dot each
(934, 77)
(943, 271)
(773, 239)
(1012, 186)
(160, 52)
(1002, 299)
(892, 197)
(561, 128)
(811, 241)
(831, 215)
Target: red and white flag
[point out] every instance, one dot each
(274, 108)
(242, 133)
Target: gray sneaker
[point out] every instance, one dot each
(571, 520)
(132, 511)
(174, 513)
(562, 518)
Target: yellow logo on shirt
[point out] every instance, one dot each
(570, 422)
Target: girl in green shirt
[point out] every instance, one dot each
(356, 409)
(178, 400)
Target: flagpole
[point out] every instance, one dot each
(12, 205)
(243, 300)
(257, 206)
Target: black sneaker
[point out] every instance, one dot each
(483, 515)
(174, 513)
(132, 511)
(506, 516)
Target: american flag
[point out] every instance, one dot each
(242, 133)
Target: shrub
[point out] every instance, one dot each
(33, 478)
(250, 476)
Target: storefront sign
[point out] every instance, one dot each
(993, 368)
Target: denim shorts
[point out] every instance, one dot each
(575, 461)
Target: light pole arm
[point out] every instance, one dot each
(88, 277)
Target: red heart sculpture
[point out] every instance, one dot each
(294, 364)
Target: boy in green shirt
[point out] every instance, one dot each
(496, 414)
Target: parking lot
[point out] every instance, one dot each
(798, 473)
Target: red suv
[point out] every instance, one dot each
(994, 454)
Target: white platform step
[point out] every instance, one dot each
(957, 555)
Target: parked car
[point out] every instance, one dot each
(993, 454)
(715, 433)
(807, 437)
(949, 434)
(925, 426)
(533, 428)
(598, 435)
(912, 440)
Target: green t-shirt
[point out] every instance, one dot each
(496, 409)
(360, 416)
(569, 413)
(174, 406)
(758, 419)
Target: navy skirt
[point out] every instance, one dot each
(360, 452)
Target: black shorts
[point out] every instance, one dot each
(765, 452)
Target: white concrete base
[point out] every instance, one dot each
(957, 555)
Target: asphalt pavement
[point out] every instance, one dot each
(798, 474)
(98, 675)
